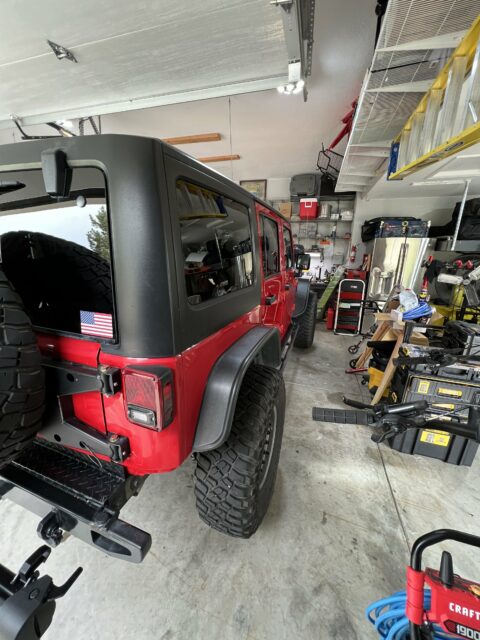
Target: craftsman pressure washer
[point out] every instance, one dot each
(436, 604)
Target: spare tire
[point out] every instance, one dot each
(56, 278)
(22, 384)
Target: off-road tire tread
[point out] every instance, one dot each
(306, 324)
(22, 385)
(89, 266)
(227, 480)
(63, 278)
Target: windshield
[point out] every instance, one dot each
(57, 254)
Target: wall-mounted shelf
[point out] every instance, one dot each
(348, 196)
(330, 243)
(318, 220)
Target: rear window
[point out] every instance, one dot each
(57, 253)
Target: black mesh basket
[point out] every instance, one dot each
(329, 162)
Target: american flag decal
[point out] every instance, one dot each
(96, 324)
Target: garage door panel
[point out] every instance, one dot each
(130, 51)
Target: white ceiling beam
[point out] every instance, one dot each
(444, 41)
(378, 144)
(370, 153)
(348, 178)
(362, 174)
(346, 186)
(291, 27)
(418, 86)
(218, 91)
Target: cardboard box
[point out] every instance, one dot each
(285, 209)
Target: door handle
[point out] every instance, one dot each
(270, 299)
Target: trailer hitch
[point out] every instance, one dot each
(28, 601)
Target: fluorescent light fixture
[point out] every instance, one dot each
(291, 87)
(295, 81)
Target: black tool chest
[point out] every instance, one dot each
(463, 335)
(450, 390)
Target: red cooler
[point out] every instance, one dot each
(308, 208)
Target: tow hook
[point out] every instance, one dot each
(28, 601)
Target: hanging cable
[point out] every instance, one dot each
(423, 309)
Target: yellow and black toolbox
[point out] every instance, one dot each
(449, 395)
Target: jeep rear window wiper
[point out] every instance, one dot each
(6, 186)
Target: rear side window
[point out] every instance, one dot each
(287, 239)
(270, 249)
(57, 254)
(216, 242)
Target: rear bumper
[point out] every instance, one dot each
(80, 495)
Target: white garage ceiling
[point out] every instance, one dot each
(134, 54)
(276, 136)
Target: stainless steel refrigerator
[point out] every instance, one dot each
(396, 261)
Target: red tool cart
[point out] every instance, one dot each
(349, 308)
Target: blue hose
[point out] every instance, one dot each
(391, 623)
(423, 309)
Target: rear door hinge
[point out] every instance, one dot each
(110, 380)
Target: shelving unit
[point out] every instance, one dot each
(324, 226)
(318, 221)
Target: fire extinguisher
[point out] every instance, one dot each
(353, 253)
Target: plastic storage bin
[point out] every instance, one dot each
(445, 395)
(308, 208)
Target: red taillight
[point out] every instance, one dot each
(141, 390)
(148, 397)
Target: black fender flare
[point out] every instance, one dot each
(260, 345)
(301, 298)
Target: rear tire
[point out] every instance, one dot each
(234, 483)
(306, 323)
(22, 387)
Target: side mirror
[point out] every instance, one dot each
(57, 175)
(303, 262)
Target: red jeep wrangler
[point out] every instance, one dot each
(147, 306)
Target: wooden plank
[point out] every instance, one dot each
(380, 331)
(198, 137)
(389, 371)
(209, 159)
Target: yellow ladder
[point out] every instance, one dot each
(447, 118)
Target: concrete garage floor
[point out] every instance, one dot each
(336, 537)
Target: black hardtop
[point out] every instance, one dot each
(111, 147)
(152, 314)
